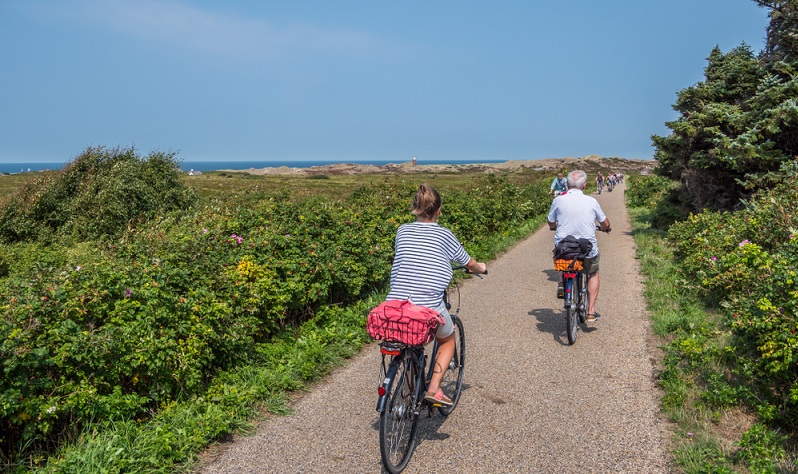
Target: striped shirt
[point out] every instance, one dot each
(422, 265)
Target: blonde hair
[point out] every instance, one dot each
(426, 201)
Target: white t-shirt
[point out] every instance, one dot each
(576, 214)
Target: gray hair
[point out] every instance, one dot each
(577, 179)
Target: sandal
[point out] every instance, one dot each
(592, 318)
(438, 399)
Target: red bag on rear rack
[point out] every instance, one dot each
(402, 321)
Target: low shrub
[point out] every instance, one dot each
(97, 195)
(744, 263)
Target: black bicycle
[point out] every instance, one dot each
(404, 378)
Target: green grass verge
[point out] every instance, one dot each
(717, 427)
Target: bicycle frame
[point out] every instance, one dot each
(388, 374)
(571, 278)
(575, 301)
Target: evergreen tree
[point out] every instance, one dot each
(741, 123)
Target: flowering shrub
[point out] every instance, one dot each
(745, 262)
(115, 332)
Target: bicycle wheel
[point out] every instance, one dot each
(571, 317)
(452, 383)
(399, 421)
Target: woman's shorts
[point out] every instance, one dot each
(446, 329)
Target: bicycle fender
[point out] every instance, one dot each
(387, 382)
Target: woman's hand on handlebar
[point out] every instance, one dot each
(474, 267)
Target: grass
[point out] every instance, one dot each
(717, 430)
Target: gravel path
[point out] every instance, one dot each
(532, 403)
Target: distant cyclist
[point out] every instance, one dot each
(559, 185)
(612, 180)
(599, 181)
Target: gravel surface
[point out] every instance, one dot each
(531, 403)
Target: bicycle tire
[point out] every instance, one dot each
(452, 383)
(571, 317)
(399, 420)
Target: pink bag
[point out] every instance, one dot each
(402, 321)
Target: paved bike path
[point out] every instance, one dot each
(531, 403)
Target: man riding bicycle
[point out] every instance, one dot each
(576, 214)
(559, 185)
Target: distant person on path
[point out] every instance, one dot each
(422, 271)
(559, 185)
(576, 214)
(414, 161)
(599, 181)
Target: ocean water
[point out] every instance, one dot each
(242, 165)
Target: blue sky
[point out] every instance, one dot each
(354, 80)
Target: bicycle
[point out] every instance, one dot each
(574, 281)
(404, 378)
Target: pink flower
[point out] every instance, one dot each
(744, 243)
(714, 259)
(204, 231)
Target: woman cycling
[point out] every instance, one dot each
(422, 270)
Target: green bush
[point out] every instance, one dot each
(115, 330)
(658, 194)
(646, 190)
(745, 263)
(98, 195)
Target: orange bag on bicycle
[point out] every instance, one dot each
(562, 265)
(402, 321)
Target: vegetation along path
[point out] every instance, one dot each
(531, 403)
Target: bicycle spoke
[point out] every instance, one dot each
(399, 421)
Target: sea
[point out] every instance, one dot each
(12, 168)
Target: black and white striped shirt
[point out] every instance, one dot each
(422, 266)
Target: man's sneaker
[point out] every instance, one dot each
(560, 291)
(438, 399)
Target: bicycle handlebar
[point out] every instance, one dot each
(466, 270)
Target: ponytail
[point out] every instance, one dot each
(426, 202)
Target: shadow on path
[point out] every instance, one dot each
(553, 322)
(553, 275)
